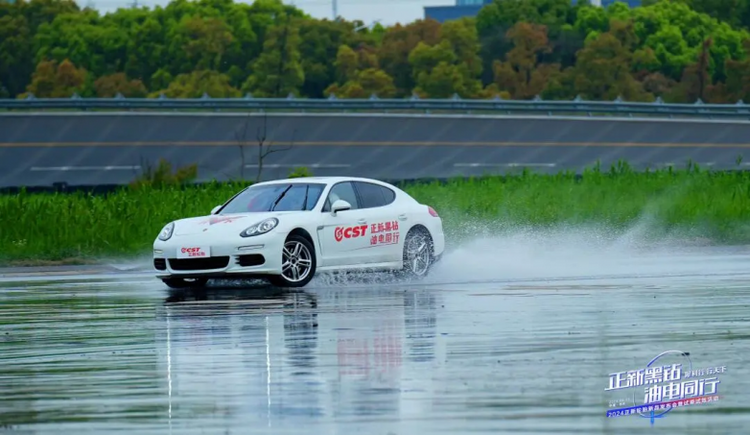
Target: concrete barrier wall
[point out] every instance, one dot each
(38, 149)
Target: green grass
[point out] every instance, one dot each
(692, 203)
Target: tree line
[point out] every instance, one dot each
(676, 50)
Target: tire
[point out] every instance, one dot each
(418, 254)
(299, 255)
(183, 283)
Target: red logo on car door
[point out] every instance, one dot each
(341, 233)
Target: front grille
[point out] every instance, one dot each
(160, 264)
(198, 263)
(250, 260)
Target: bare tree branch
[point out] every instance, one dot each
(261, 137)
(264, 149)
(269, 150)
(241, 138)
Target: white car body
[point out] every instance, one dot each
(352, 224)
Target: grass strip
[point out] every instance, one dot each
(80, 227)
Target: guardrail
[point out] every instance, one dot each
(374, 104)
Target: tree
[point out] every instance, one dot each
(206, 40)
(118, 83)
(558, 16)
(358, 75)
(278, 72)
(16, 59)
(439, 73)
(39, 12)
(463, 38)
(272, 49)
(676, 35)
(320, 42)
(521, 74)
(398, 43)
(19, 23)
(245, 43)
(696, 80)
(266, 14)
(731, 12)
(146, 52)
(603, 70)
(659, 85)
(51, 80)
(263, 149)
(346, 64)
(443, 81)
(85, 39)
(363, 84)
(503, 14)
(737, 86)
(198, 83)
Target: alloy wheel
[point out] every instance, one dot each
(296, 261)
(418, 254)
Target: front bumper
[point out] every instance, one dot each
(236, 258)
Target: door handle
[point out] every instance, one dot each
(402, 217)
(362, 221)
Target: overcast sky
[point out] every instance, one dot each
(388, 11)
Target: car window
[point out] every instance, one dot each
(343, 191)
(263, 198)
(295, 197)
(373, 195)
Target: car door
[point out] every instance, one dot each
(343, 238)
(384, 234)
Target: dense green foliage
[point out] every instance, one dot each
(679, 50)
(692, 203)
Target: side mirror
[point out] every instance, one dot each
(215, 209)
(340, 205)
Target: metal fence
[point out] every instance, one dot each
(373, 104)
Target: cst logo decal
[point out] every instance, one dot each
(193, 252)
(341, 233)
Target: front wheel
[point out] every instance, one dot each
(418, 249)
(185, 283)
(297, 263)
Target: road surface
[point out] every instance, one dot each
(521, 338)
(112, 148)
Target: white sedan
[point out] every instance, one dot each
(288, 230)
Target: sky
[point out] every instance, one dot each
(388, 12)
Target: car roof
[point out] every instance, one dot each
(326, 180)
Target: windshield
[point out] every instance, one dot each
(275, 197)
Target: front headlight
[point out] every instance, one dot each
(260, 228)
(166, 232)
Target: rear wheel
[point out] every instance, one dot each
(418, 248)
(297, 263)
(184, 283)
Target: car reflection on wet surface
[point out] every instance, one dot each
(122, 353)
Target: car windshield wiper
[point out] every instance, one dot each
(280, 198)
(304, 203)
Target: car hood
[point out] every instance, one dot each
(221, 223)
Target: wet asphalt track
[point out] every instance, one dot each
(525, 354)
